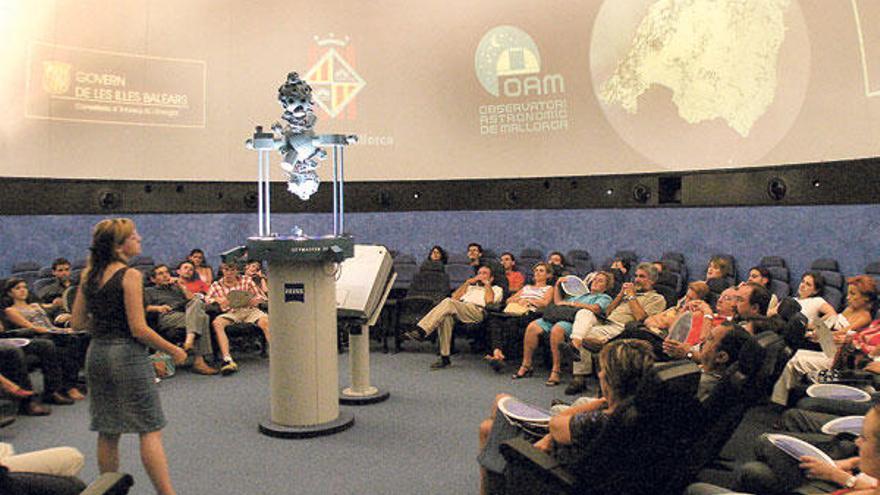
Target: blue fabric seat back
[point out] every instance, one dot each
(404, 259)
(672, 255)
(825, 264)
(834, 297)
(768, 261)
(25, 266)
(833, 279)
(458, 273)
(457, 258)
(780, 273)
(405, 273)
(780, 288)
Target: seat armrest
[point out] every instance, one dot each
(15, 333)
(530, 470)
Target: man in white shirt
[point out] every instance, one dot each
(467, 305)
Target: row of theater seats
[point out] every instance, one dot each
(660, 442)
(579, 262)
(38, 276)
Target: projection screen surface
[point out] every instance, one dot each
(438, 89)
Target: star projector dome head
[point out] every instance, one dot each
(295, 97)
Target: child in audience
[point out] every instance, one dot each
(254, 270)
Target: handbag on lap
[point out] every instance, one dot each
(554, 313)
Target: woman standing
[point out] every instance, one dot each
(123, 393)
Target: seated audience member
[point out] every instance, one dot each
(557, 263)
(52, 294)
(254, 270)
(16, 381)
(177, 307)
(467, 305)
(438, 255)
(860, 298)
(719, 351)
(186, 274)
(726, 310)
(718, 267)
(761, 276)
(660, 323)
(525, 302)
(775, 472)
(515, 278)
(751, 300)
(717, 274)
(622, 366)
(41, 472)
(621, 269)
(57, 461)
(474, 254)
(636, 301)
(203, 270)
(70, 347)
(813, 305)
(592, 303)
(655, 328)
(248, 313)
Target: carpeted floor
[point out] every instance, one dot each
(422, 440)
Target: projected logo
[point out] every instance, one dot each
(56, 77)
(508, 52)
(334, 82)
(508, 65)
(76, 84)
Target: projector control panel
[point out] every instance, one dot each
(300, 248)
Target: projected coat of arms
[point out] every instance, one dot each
(333, 79)
(56, 77)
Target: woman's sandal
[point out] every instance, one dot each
(19, 392)
(550, 381)
(525, 374)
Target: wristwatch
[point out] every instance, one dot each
(690, 355)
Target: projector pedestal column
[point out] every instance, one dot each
(361, 392)
(303, 372)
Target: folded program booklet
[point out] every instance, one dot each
(239, 298)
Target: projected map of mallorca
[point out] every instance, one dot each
(717, 57)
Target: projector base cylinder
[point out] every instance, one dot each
(303, 372)
(361, 392)
(344, 421)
